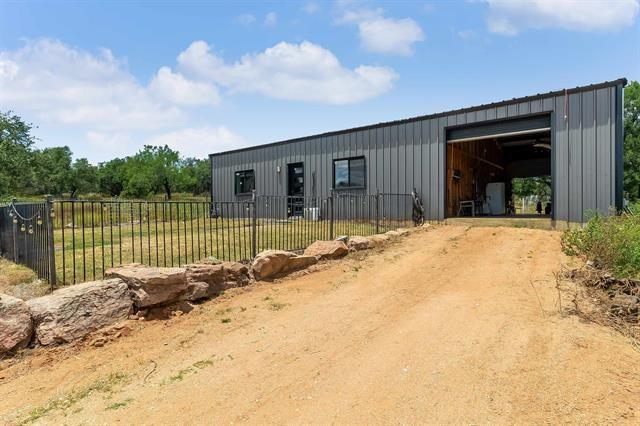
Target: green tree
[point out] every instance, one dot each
(52, 171)
(203, 177)
(112, 177)
(538, 186)
(632, 140)
(195, 176)
(16, 143)
(153, 169)
(83, 177)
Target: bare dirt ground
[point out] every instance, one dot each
(450, 325)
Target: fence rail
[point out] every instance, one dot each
(71, 241)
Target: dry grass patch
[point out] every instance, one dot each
(20, 281)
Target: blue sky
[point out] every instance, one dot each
(106, 78)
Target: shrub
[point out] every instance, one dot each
(612, 243)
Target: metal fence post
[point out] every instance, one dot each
(14, 227)
(330, 203)
(254, 225)
(48, 216)
(377, 212)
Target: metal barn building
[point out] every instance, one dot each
(574, 137)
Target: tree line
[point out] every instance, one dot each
(26, 170)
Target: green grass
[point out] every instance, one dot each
(119, 405)
(90, 250)
(12, 274)
(91, 236)
(612, 243)
(68, 400)
(193, 369)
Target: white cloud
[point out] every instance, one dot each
(102, 146)
(395, 36)
(60, 84)
(311, 7)
(199, 142)
(175, 88)
(359, 15)
(509, 17)
(245, 19)
(91, 101)
(270, 19)
(380, 34)
(304, 71)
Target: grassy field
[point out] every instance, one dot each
(91, 236)
(83, 254)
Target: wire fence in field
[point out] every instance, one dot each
(81, 239)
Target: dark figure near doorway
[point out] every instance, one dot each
(547, 209)
(539, 207)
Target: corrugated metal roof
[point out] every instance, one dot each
(577, 89)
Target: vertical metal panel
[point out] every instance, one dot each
(612, 112)
(524, 108)
(535, 106)
(603, 152)
(619, 146)
(470, 117)
(434, 164)
(575, 158)
(589, 202)
(424, 165)
(402, 159)
(560, 155)
(379, 142)
(442, 167)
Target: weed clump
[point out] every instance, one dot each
(610, 243)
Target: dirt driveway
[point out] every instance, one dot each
(451, 325)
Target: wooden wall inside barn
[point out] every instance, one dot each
(479, 163)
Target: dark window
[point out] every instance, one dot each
(349, 173)
(245, 182)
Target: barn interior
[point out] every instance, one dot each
(482, 171)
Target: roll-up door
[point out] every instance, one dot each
(497, 129)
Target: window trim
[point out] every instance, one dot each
(235, 182)
(347, 188)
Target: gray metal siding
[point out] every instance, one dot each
(586, 154)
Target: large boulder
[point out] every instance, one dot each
(71, 313)
(357, 242)
(237, 274)
(152, 286)
(377, 240)
(327, 249)
(270, 263)
(16, 327)
(393, 234)
(210, 279)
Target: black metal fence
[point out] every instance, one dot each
(81, 239)
(26, 236)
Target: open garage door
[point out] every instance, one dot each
(500, 168)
